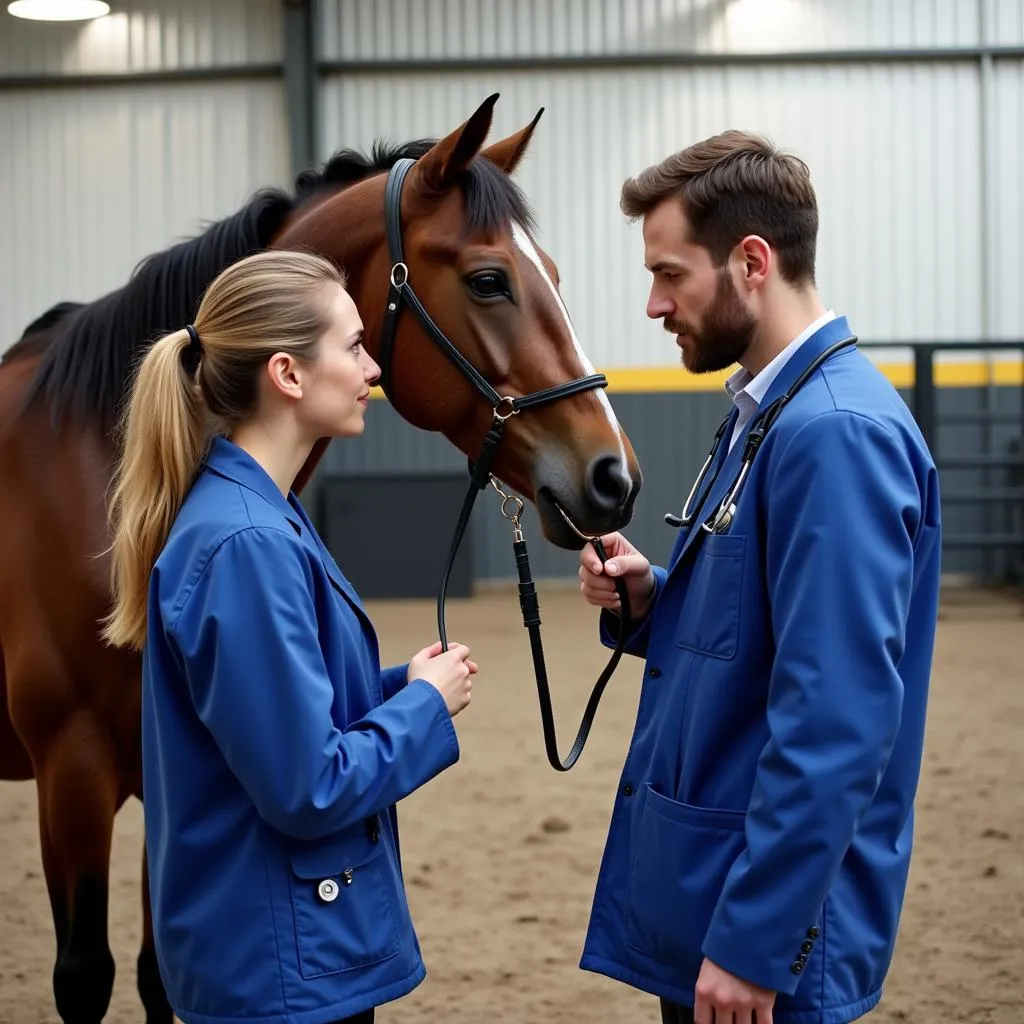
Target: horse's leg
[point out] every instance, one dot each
(78, 797)
(151, 986)
(15, 764)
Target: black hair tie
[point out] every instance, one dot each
(193, 350)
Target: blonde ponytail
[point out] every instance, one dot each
(163, 442)
(269, 302)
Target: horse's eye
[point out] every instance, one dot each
(489, 284)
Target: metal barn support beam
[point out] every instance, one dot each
(302, 80)
(122, 79)
(669, 59)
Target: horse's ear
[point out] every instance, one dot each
(507, 153)
(440, 166)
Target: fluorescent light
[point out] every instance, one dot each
(58, 10)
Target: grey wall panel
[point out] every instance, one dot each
(453, 29)
(1005, 19)
(96, 179)
(1008, 198)
(145, 35)
(390, 445)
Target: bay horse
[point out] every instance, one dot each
(69, 713)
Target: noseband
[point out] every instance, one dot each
(401, 293)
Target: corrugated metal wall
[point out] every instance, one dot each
(395, 29)
(903, 260)
(93, 178)
(1007, 118)
(917, 242)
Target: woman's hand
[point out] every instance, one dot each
(449, 672)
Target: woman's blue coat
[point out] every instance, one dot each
(274, 750)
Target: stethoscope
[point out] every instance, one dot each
(721, 519)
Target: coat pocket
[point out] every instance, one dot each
(710, 620)
(683, 855)
(343, 908)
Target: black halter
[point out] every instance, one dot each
(402, 291)
(504, 407)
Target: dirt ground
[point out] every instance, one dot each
(501, 852)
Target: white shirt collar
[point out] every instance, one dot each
(743, 388)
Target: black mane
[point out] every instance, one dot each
(87, 366)
(492, 199)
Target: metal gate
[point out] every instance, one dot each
(989, 477)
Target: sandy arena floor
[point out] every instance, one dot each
(501, 852)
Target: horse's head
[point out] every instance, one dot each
(493, 293)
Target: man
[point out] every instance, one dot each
(758, 851)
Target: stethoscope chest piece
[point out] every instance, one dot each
(724, 519)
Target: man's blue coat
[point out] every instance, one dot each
(765, 811)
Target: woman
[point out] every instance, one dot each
(274, 747)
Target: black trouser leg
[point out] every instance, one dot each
(366, 1017)
(673, 1013)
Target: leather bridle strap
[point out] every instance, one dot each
(401, 292)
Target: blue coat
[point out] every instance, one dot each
(765, 811)
(274, 749)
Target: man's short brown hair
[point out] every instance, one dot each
(732, 185)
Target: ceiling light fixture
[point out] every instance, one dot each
(58, 10)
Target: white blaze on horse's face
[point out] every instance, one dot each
(525, 243)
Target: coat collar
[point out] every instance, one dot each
(226, 459)
(832, 332)
(728, 466)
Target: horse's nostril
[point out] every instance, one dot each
(608, 483)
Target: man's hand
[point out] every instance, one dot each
(722, 998)
(624, 560)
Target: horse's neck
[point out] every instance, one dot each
(309, 466)
(346, 227)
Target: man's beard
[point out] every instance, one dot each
(726, 331)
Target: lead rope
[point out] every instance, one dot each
(512, 509)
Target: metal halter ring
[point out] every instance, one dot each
(512, 410)
(506, 499)
(405, 275)
(517, 503)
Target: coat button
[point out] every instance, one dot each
(807, 947)
(812, 933)
(797, 968)
(327, 890)
(627, 789)
(655, 672)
